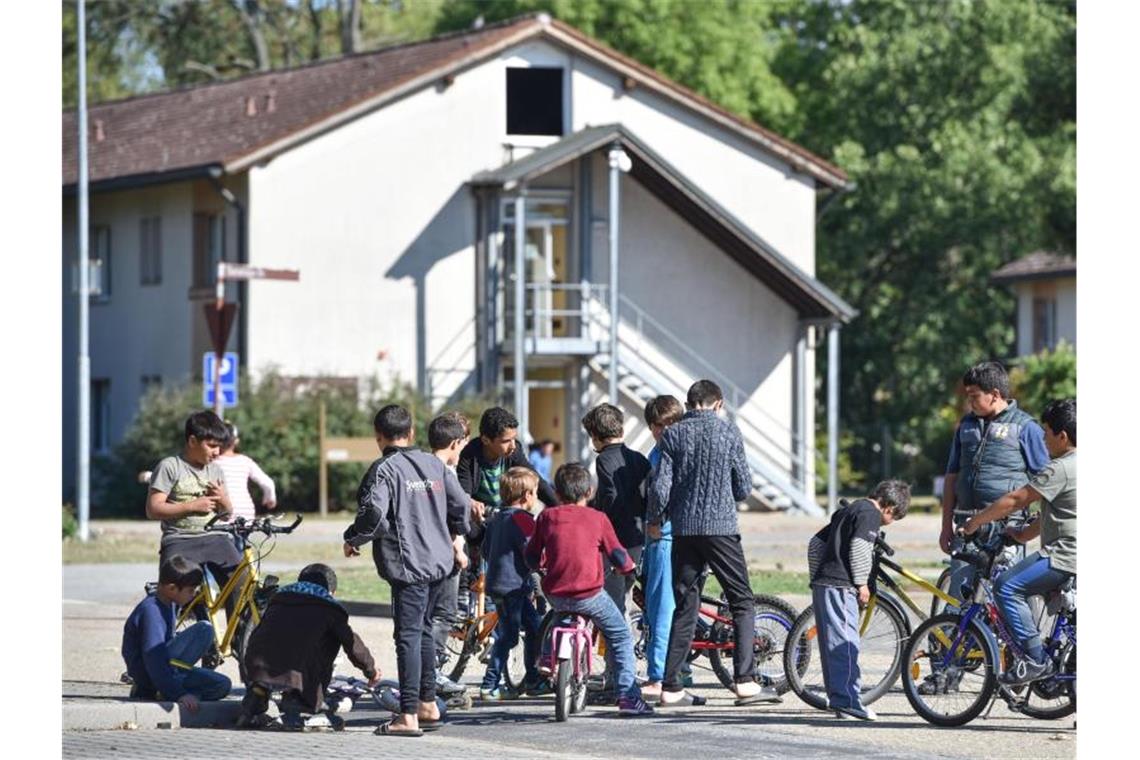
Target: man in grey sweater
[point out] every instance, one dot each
(702, 476)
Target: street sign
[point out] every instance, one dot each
(229, 379)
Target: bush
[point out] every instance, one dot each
(1044, 377)
(70, 523)
(279, 421)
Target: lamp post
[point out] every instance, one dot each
(83, 458)
(619, 162)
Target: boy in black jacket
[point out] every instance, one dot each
(620, 471)
(839, 562)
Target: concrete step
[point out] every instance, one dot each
(111, 714)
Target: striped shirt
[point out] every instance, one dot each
(238, 470)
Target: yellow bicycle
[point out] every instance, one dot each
(235, 609)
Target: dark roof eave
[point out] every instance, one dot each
(133, 181)
(1054, 274)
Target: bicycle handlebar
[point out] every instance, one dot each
(243, 527)
(882, 545)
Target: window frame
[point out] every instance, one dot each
(150, 251)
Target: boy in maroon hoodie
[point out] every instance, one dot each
(567, 545)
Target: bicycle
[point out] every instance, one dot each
(952, 660)
(249, 593)
(472, 634)
(884, 629)
(572, 639)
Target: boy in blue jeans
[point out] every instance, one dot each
(160, 664)
(657, 563)
(568, 543)
(839, 561)
(508, 583)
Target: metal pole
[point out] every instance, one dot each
(322, 471)
(832, 417)
(520, 313)
(82, 496)
(615, 175)
(801, 381)
(219, 304)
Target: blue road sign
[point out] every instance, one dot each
(229, 379)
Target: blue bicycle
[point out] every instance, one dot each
(952, 661)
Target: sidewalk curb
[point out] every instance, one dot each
(103, 715)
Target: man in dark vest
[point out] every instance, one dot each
(996, 448)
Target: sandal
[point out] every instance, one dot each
(386, 729)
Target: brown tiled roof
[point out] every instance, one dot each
(230, 124)
(1036, 265)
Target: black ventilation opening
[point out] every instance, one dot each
(534, 101)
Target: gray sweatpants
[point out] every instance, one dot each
(837, 623)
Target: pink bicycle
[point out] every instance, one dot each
(568, 659)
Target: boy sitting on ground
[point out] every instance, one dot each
(839, 562)
(508, 581)
(293, 651)
(568, 543)
(160, 664)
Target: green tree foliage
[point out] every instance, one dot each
(279, 424)
(1045, 377)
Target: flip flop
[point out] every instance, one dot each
(757, 699)
(427, 726)
(387, 730)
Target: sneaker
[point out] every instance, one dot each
(497, 694)
(680, 699)
(539, 688)
(1026, 671)
(446, 687)
(260, 720)
(323, 722)
(939, 683)
(862, 713)
(752, 693)
(633, 706)
(841, 716)
(292, 721)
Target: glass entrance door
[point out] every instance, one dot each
(545, 268)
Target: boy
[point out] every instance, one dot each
(702, 475)
(186, 491)
(660, 413)
(508, 581)
(160, 664)
(996, 448)
(566, 543)
(1056, 562)
(620, 471)
(293, 650)
(447, 435)
(411, 511)
(839, 562)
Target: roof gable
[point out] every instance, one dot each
(234, 124)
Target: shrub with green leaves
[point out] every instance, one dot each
(1045, 377)
(278, 420)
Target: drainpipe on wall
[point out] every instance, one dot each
(520, 315)
(619, 163)
(232, 200)
(832, 416)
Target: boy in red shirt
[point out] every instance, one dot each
(567, 545)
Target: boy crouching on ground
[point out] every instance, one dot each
(839, 561)
(160, 664)
(508, 581)
(293, 651)
(567, 543)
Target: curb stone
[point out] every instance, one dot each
(104, 715)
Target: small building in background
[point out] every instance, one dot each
(1046, 288)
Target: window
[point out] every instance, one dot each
(150, 250)
(151, 381)
(99, 251)
(1044, 323)
(100, 416)
(534, 101)
(209, 248)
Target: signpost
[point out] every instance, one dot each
(227, 375)
(220, 318)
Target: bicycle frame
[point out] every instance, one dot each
(925, 585)
(568, 642)
(214, 601)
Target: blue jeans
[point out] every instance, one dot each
(1032, 576)
(659, 603)
(185, 649)
(619, 643)
(516, 612)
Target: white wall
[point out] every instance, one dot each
(1067, 310)
(1064, 292)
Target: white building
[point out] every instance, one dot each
(393, 181)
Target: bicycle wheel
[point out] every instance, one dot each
(564, 690)
(937, 606)
(881, 646)
(773, 618)
(578, 704)
(948, 673)
(461, 649)
(1051, 698)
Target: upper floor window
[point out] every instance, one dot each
(1044, 324)
(534, 101)
(99, 251)
(100, 415)
(209, 248)
(150, 250)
